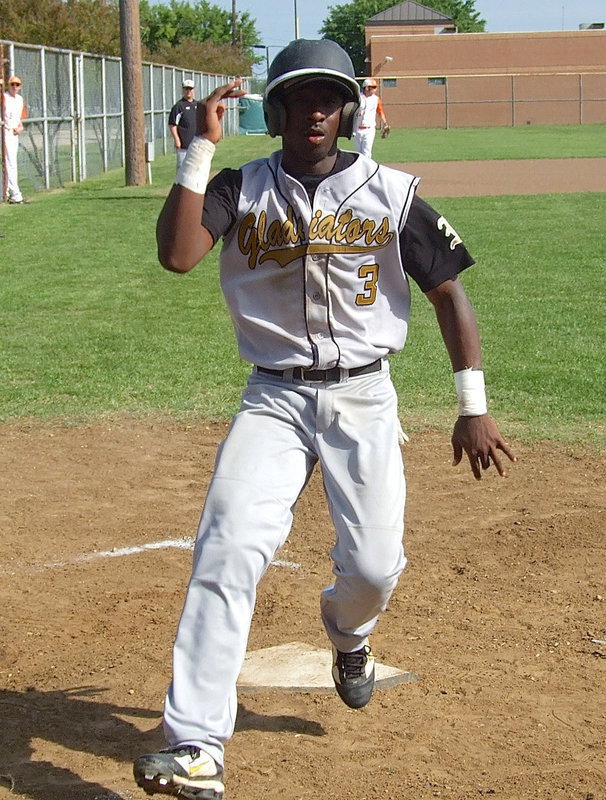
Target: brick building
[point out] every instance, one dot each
(432, 76)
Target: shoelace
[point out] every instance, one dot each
(190, 749)
(351, 665)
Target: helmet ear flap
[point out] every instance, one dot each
(275, 116)
(347, 119)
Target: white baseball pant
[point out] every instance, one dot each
(281, 430)
(363, 139)
(11, 150)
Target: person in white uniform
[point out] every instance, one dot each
(365, 125)
(13, 114)
(318, 249)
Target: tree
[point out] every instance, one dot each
(462, 12)
(181, 25)
(200, 21)
(89, 25)
(194, 36)
(198, 36)
(345, 24)
(221, 59)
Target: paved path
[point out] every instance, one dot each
(531, 176)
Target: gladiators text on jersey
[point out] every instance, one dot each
(286, 240)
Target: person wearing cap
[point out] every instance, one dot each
(13, 114)
(182, 121)
(365, 125)
(319, 248)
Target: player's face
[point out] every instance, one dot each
(313, 114)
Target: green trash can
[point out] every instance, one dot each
(251, 117)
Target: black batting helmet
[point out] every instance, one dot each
(306, 60)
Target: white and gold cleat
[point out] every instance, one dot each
(185, 771)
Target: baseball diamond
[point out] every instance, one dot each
(500, 612)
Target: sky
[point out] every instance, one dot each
(275, 19)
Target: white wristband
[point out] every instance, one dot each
(469, 384)
(195, 169)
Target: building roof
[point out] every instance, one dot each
(409, 13)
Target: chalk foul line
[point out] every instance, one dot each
(186, 543)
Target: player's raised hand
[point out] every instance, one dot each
(481, 439)
(209, 112)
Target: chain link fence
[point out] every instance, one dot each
(75, 123)
(488, 100)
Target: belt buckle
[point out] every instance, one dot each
(305, 373)
(321, 375)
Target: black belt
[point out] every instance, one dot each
(322, 375)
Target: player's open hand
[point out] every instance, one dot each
(209, 112)
(481, 439)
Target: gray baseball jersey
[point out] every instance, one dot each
(335, 262)
(318, 277)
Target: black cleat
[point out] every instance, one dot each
(354, 676)
(185, 771)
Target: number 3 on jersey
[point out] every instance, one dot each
(370, 275)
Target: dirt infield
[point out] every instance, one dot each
(533, 176)
(501, 614)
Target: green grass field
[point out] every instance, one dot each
(478, 144)
(92, 326)
(458, 144)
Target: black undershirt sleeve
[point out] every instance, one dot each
(431, 250)
(221, 202)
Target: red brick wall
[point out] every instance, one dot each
(491, 79)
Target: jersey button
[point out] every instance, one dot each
(316, 296)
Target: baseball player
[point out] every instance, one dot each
(318, 249)
(365, 126)
(182, 121)
(14, 112)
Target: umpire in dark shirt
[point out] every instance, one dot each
(182, 121)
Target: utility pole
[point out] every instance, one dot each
(234, 23)
(132, 93)
(296, 20)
